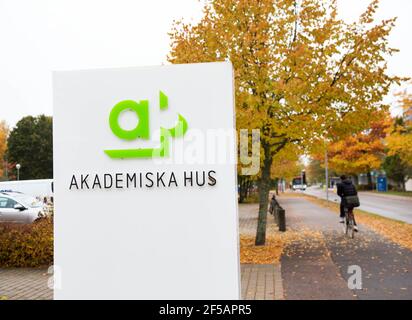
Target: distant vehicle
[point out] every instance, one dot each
(36, 188)
(298, 185)
(17, 207)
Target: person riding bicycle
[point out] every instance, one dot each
(346, 188)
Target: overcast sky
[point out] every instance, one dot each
(38, 36)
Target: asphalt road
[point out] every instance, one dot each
(320, 268)
(394, 207)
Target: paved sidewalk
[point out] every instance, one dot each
(318, 268)
(258, 282)
(261, 282)
(248, 216)
(24, 284)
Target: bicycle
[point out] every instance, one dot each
(349, 223)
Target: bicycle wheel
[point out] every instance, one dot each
(345, 223)
(351, 228)
(351, 224)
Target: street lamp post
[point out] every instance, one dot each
(326, 175)
(18, 166)
(302, 177)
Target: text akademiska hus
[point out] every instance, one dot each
(142, 180)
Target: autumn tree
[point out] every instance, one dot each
(398, 164)
(362, 152)
(4, 130)
(316, 169)
(30, 144)
(397, 170)
(285, 164)
(399, 140)
(302, 75)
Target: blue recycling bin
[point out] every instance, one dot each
(382, 184)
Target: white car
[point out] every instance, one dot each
(299, 187)
(16, 207)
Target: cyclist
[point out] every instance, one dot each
(346, 188)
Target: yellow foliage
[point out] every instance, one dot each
(26, 245)
(301, 73)
(267, 254)
(276, 242)
(286, 163)
(361, 152)
(401, 144)
(399, 140)
(4, 131)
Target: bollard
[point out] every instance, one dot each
(281, 219)
(276, 214)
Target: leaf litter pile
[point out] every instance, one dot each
(276, 242)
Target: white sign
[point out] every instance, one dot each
(145, 183)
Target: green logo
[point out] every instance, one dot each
(142, 129)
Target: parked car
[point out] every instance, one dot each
(35, 188)
(17, 207)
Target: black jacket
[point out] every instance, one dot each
(346, 188)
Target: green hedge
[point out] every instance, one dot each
(26, 245)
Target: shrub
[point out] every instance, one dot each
(252, 198)
(26, 245)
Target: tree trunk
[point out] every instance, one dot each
(242, 189)
(264, 188)
(241, 197)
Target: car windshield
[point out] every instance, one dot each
(27, 201)
(296, 181)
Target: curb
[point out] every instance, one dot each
(387, 196)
